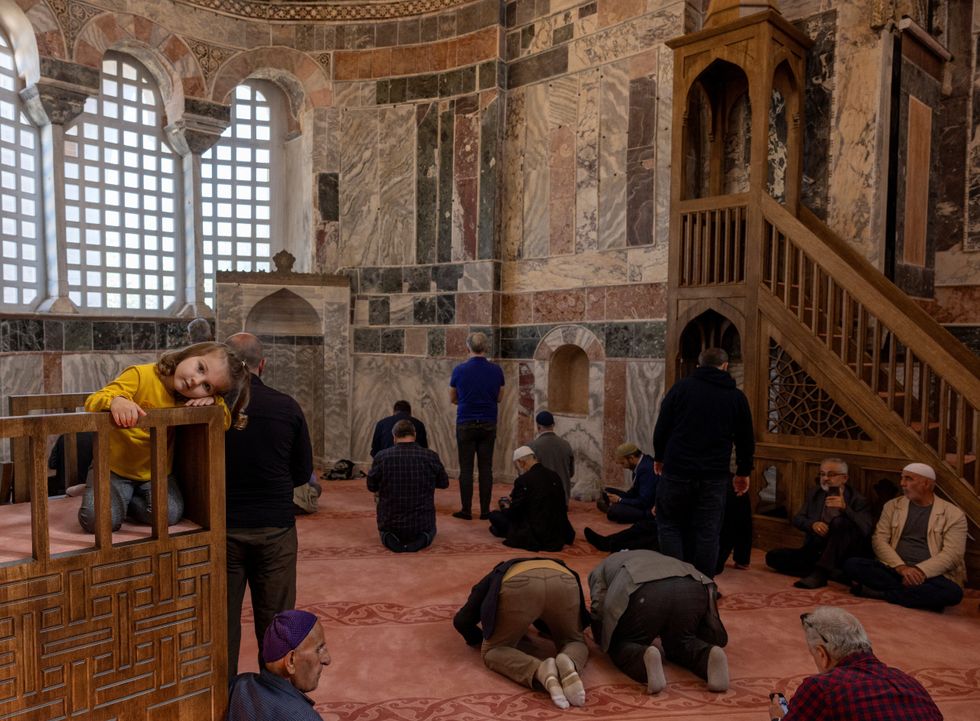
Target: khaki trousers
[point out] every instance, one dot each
(541, 593)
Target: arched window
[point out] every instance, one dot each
(121, 191)
(236, 186)
(20, 228)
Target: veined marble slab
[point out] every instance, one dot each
(587, 163)
(644, 391)
(648, 264)
(359, 191)
(396, 167)
(512, 206)
(613, 126)
(625, 39)
(537, 176)
(605, 268)
(87, 372)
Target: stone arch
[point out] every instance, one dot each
(284, 313)
(165, 55)
(23, 40)
(710, 324)
(304, 82)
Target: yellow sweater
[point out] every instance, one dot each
(129, 448)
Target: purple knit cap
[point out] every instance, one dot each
(285, 633)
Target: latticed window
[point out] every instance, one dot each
(121, 191)
(236, 190)
(20, 229)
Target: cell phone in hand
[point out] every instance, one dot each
(833, 491)
(781, 700)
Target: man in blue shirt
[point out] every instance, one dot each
(476, 388)
(295, 653)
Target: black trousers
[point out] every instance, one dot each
(671, 609)
(844, 540)
(736, 531)
(639, 536)
(265, 560)
(476, 438)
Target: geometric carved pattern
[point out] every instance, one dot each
(799, 407)
(210, 57)
(72, 16)
(319, 10)
(111, 638)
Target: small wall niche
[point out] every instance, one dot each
(568, 381)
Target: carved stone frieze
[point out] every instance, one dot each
(327, 10)
(72, 17)
(210, 57)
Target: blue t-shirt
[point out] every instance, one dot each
(477, 383)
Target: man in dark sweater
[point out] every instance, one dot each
(405, 477)
(700, 419)
(264, 462)
(382, 429)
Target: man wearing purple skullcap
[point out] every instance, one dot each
(295, 653)
(920, 548)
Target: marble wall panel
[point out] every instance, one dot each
(426, 181)
(537, 173)
(627, 38)
(396, 165)
(644, 391)
(587, 162)
(359, 191)
(613, 420)
(613, 125)
(607, 268)
(515, 138)
(661, 181)
(477, 276)
(818, 102)
(336, 377)
(466, 160)
(296, 370)
(648, 264)
(491, 149)
(444, 238)
(86, 372)
(561, 203)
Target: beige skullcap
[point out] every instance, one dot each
(920, 469)
(626, 449)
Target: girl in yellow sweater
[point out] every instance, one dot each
(198, 375)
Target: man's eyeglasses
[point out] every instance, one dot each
(807, 623)
(830, 474)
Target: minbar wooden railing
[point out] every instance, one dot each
(110, 628)
(879, 349)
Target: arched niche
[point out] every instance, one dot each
(784, 137)
(716, 137)
(710, 329)
(568, 381)
(283, 313)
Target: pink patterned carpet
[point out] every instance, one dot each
(396, 656)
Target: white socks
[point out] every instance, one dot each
(656, 681)
(547, 676)
(717, 670)
(571, 683)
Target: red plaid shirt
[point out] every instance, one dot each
(862, 688)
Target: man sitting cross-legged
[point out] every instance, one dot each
(837, 522)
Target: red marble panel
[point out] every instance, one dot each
(441, 56)
(516, 309)
(642, 300)
(466, 145)
(477, 46)
(381, 63)
(52, 372)
(345, 65)
(193, 87)
(111, 32)
(142, 28)
(612, 12)
(474, 308)
(559, 306)
(958, 304)
(85, 54)
(456, 342)
(614, 420)
(467, 195)
(644, 64)
(402, 60)
(562, 192)
(595, 303)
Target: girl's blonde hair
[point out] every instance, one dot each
(237, 395)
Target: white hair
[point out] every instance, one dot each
(836, 630)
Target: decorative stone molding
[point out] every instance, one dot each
(210, 57)
(338, 10)
(72, 16)
(59, 95)
(200, 126)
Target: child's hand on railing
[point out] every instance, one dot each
(125, 412)
(206, 401)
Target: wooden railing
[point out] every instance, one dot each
(713, 241)
(890, 345)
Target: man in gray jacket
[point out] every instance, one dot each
(553, 451)
(638, 596)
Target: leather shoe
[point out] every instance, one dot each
(603, 503)
(465, 515)
(597, 540)
(816, 579)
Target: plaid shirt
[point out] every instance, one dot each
(405, 477)
(862, 688)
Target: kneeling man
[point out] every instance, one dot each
(639, 596)
(405, 477)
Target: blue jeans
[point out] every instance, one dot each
(689, 514)
(934, 594)
(133, 498)
(476, 438)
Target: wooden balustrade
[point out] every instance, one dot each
(713, 243)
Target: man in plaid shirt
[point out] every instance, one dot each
(405, 477)
(852, 685)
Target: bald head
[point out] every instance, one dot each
(249, 348)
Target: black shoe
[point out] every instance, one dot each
(465, 515)
(597, 540)
(603, 503)
(485, 515)
(817, 579)
(862, 591)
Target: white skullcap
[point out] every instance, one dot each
(920, 469)
(522, 452)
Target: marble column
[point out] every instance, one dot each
(197, 130)
(54, 101)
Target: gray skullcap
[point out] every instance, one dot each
(523, 452)
(920, 469)
(544, 418)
